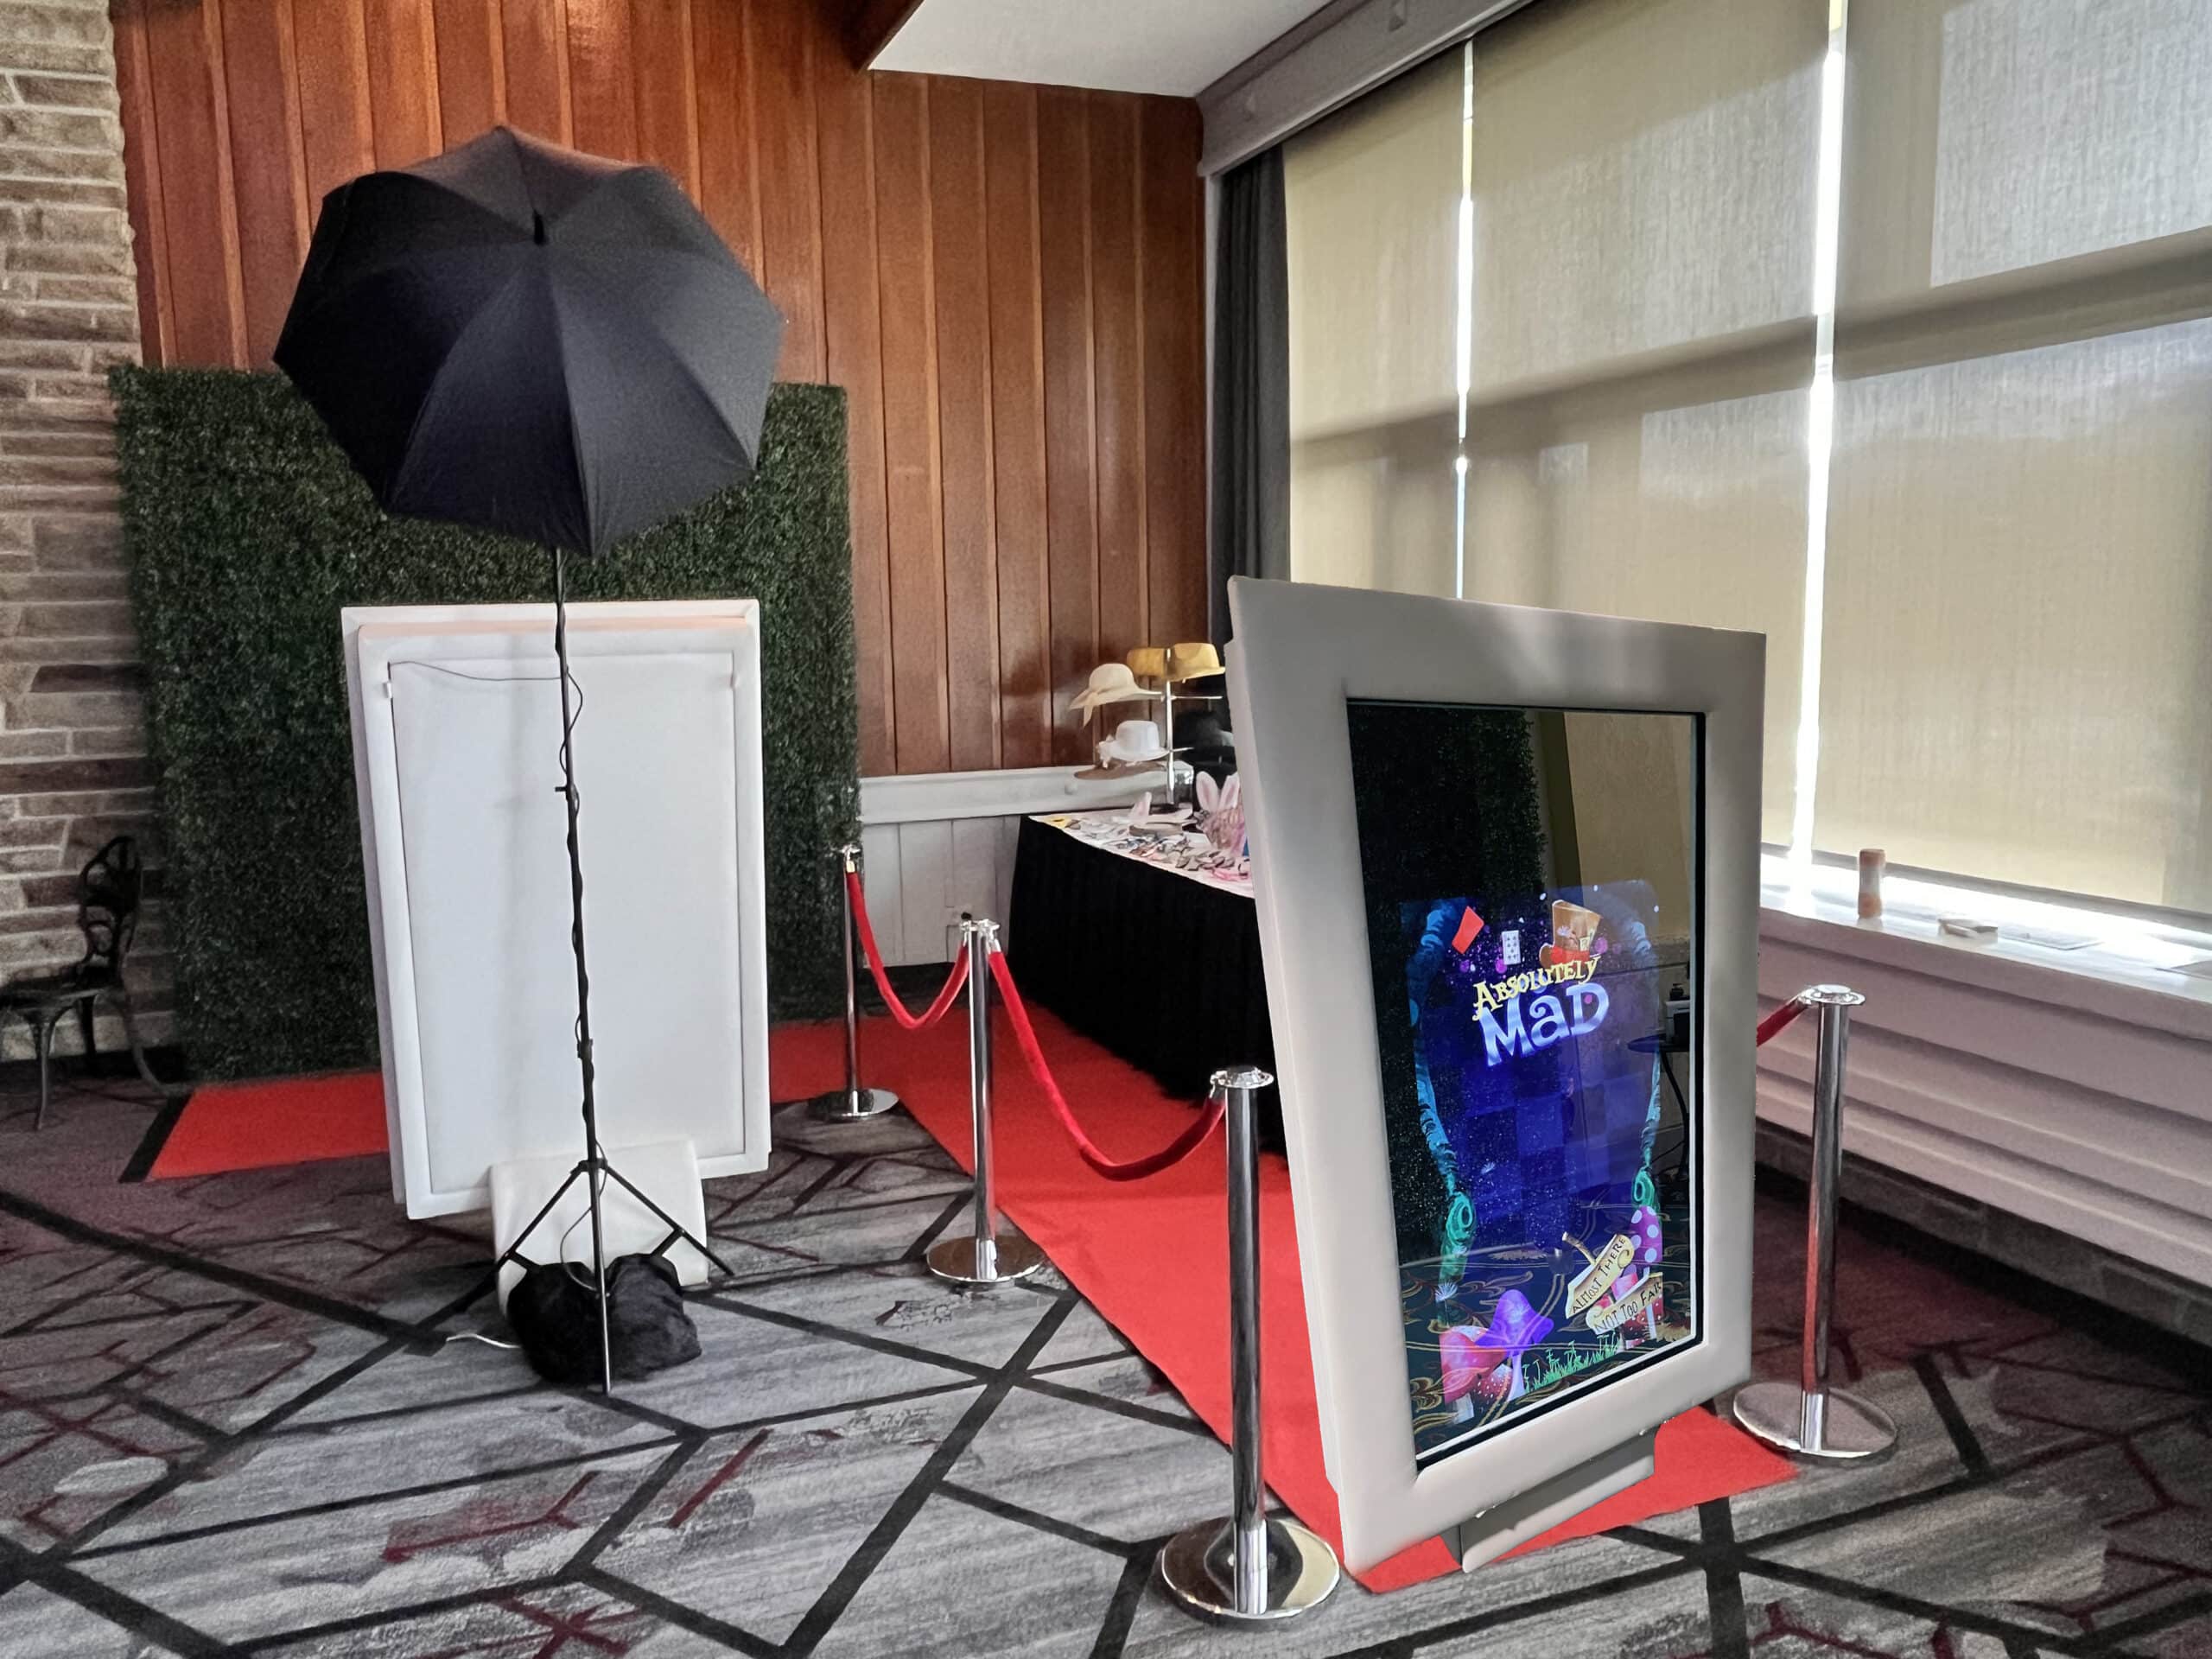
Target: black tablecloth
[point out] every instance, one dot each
(1161, 970)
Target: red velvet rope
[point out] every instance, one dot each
(954, 981)
(1771, 1027)
(1136, 1168)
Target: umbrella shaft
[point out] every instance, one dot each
(576, 855)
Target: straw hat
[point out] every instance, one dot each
(1109, 682)
(1148, 662)
(1192, 662)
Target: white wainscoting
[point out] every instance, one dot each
(936, 844)
(2076, 1099)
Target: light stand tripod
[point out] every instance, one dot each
(592, 1168)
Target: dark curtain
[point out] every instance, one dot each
(1251, 383)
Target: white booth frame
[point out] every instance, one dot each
(1299, 652)
(375, 638)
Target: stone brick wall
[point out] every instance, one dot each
(72, 770)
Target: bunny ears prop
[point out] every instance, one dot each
(1223, 807)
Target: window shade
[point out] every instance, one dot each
(1372, 200)
(2016, 667)
(1643, 182)
(1607, 395)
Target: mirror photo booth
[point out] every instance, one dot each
(1506, 868)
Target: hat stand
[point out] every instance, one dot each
(593, 1167)
(1167, 732)
(1169, 696)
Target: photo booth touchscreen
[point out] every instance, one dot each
(1531, 904)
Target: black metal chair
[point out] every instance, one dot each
(108, 891)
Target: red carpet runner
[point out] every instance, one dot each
(229, 1126)
(1151, 1255)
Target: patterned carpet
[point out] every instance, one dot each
(224, 1430)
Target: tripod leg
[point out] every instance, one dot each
(679, 1229)
(513, 1252)
(598, 1179)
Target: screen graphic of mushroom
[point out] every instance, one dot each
(1487, 1363)
(1471, 1372)
(1645, 1227)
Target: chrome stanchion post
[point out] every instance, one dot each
(853, 1104)
(992, 1252)
(1807, 1416)
(1246, 1568)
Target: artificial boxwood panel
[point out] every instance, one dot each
(247, 531)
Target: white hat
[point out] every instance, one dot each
(1109, 682)
(1133, 742)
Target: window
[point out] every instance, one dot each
(2017, 647)
(1885, 332)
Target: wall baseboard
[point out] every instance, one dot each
(2041, 1255)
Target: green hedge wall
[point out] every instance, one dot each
(247, 530)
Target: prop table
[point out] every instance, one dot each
(1157, 964)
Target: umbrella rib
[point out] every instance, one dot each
(423, 410)
(682, 359)
(650, 225)
(396, 264)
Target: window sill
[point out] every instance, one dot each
(2127, 969)
(2063, 1085)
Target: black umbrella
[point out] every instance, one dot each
(519, 337)
(552, 345)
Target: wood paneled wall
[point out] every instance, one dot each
(1005, 279)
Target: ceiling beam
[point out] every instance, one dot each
(869, 24)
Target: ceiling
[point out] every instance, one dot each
(1178, 47)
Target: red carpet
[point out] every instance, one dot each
(1152, 1256)
(287, 1121)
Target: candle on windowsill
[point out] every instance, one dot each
(1871, 860)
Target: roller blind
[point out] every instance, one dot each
(1644, 181)
(1371, 200)
(2016, 627)
(1633, 298)
(1582, 318)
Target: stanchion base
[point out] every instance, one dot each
(850, 1105)
(1851, 1428)
(970, 1261)
(1196, 1568)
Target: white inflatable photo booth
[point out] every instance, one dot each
(456, 720)
(1310, 669)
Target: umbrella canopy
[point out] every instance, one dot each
(519, 337)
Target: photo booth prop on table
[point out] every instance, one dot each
(1490, 846)
(456, 731)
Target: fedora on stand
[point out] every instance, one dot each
(1192, 662)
